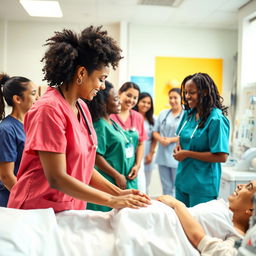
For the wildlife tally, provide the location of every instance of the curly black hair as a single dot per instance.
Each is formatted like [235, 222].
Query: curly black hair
[98, 106]
[92, 49]
[208, 93]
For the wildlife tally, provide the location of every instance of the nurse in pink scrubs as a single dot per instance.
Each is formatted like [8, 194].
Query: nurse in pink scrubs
[56, 169]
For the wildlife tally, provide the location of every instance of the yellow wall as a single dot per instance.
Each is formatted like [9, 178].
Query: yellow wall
[170, 72]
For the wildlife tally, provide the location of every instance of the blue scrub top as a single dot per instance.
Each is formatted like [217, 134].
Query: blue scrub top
[12, 139]
[166, 125]
[147, 144]
[195, 176]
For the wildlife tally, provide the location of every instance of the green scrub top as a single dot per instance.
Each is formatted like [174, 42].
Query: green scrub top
[113, 142]
[195, 176]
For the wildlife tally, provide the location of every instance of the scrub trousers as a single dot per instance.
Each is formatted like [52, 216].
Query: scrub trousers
[191, 200]
[148, 169]
[167, 176]
[141, 179]
[4, 197]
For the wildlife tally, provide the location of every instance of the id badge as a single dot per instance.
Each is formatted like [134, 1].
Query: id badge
[129, 150]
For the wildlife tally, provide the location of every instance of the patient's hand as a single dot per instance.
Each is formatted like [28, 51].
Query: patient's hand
[168, 200]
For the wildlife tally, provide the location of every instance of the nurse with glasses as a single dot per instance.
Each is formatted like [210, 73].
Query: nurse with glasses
[164, 132]
[203, 141]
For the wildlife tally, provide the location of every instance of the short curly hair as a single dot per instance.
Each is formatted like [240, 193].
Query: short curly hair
[92, 49]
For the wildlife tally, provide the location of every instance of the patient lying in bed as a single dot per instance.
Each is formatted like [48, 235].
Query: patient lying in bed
[155, 230]
[218, 225]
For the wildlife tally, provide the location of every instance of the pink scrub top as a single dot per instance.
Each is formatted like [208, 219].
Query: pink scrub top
[134, 121]
[51, 126]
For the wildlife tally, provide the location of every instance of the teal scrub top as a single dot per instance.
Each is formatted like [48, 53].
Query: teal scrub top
[195, 176]
[112, 145]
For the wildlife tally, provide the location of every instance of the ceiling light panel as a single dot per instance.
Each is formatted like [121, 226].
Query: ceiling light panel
[170, 3]
[42, 8]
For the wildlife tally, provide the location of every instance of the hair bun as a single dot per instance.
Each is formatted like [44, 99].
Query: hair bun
[3, 78]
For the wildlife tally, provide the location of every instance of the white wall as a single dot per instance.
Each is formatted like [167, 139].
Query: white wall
[21, 48]
[2, 45]
[147, 42]
[24, 46]
[245, 13]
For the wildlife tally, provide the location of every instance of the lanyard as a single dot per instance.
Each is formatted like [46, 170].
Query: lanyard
[119, 130]
[85, 119]
[182, 127]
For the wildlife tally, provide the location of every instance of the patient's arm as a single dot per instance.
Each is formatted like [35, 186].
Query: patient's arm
[192, 228]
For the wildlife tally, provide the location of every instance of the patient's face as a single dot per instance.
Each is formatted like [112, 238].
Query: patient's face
[241, 199]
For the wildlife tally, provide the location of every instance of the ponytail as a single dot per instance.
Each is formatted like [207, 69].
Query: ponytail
[10, 86]
[3, 79]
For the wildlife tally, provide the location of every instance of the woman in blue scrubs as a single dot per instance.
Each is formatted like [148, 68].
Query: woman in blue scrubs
[19, 93]
[164, 132]
[203, 142]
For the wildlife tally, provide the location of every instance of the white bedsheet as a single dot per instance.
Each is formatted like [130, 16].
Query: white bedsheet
[154, 230]
[216, 219]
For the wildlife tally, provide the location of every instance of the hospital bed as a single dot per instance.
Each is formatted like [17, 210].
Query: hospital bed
[154, 230]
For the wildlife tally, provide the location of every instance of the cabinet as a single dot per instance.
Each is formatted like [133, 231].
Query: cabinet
[230, 178]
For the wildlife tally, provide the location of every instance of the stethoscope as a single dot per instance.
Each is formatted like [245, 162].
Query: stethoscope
[94, 145]
[165, 119]
[119, 130]
[183, 126]
[123, 124]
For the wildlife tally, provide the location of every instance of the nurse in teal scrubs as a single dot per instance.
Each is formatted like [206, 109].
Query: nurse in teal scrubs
[115, 154]
[203, 143]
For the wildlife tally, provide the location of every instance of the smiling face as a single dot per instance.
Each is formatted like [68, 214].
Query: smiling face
[241, 199]
[175, 100]
[191, 94]
[113, 102]
[144, 105]
[129, 98]
[93, 83]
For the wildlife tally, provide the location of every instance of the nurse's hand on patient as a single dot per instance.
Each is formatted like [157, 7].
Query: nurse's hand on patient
[134, 192]
[130, 200]
[133, 173]
[120, 181]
